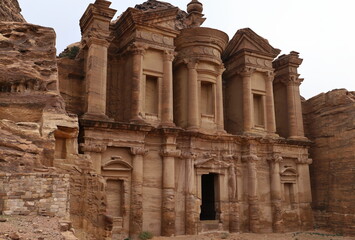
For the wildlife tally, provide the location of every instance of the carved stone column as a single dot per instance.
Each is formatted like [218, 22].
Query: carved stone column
[254, 210]
[219, 99]
[168, 209]
[191, 212]
[167, 93]
[286, 72]
[304, 192]
[95, 31]
[193, 106]
[233, 192]
[95, 151]
[137, 52]
[136, 219]
[276, 193]
[270, 106]
[246, 74]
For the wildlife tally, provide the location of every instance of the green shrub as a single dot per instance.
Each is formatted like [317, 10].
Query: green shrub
[145, 235]
[224, 235]
[70, 52]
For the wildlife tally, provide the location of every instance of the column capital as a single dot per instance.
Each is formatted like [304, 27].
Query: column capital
[220, 69]
[169, 55]
[91, 147]
[188, 155]
[96, 39]
[137, 49]
[246, 71]
[191, 63]
[138, 151]
[304, 160]
[276, 158]
[170, 153]
[230, 157]
[270, 76]
[252, 158]
[292, 80]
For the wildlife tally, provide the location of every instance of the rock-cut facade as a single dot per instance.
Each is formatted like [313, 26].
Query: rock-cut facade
[189, 131]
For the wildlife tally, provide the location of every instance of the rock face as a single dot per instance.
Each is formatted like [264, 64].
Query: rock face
[330, 123]
[10, 11]
[28, 58]
[30, 106]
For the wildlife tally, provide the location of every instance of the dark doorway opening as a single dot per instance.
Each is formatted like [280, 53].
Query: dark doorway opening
[208, 207]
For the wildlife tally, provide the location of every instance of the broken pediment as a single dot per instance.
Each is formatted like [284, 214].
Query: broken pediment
[247, 40]
[117, 164]
[170, 19]
[211, 163]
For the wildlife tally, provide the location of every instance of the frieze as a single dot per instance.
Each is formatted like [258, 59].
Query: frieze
[155, 37]
[200, 50]
[91, 147]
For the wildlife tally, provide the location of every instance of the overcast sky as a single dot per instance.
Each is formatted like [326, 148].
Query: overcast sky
[322, 31]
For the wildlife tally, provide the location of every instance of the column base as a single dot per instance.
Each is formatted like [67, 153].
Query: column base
[273, 135]
[167, 124]
[298, 138]
[193, 129]
[96, 117]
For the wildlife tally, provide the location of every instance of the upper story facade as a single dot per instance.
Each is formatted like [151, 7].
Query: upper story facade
[156, 65]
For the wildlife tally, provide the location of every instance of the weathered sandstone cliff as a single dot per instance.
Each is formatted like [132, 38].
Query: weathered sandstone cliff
[10, 11]
[330, 123]
[31, 108]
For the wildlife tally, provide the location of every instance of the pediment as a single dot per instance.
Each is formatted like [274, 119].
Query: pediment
[290, 171]
[117, 165]
[211, 163]
[247, 40]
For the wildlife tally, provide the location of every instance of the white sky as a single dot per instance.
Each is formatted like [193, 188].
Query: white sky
[322, 31]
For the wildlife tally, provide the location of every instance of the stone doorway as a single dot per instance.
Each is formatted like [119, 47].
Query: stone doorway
[208, 190]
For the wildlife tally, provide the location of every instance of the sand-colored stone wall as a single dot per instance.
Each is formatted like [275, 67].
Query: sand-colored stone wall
[34, 194]
[330, 123]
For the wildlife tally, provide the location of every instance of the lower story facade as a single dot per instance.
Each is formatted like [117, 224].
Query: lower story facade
[168, 181]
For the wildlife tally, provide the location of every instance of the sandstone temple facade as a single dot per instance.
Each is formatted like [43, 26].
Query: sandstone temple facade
[154, 123]
[190, 131]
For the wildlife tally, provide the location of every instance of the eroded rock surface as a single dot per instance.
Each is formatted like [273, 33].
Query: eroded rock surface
[31, 109]
[10, 11]
[330, 123]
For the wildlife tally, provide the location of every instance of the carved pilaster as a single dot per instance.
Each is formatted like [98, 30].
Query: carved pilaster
[254, 211]
[270, 106]
[136, 219]
[137, 51]
[193, 106]
[95, 25]
[168, 209]
[219, 100]
[246, 74]
[191, 208]
[275, 186]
